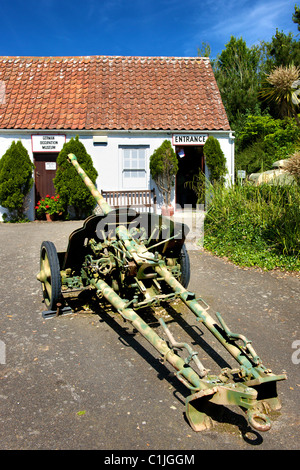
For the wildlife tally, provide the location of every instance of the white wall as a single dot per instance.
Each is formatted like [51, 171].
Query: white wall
[107, 157]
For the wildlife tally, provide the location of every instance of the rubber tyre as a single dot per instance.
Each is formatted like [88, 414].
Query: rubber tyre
[185, 267]
[51, 282]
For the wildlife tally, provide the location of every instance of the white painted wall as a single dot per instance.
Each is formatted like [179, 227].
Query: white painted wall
[107, 157]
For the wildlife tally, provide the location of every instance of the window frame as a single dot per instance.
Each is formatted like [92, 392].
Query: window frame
[134, 182]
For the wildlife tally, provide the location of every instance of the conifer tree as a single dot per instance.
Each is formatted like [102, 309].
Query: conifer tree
[67, 182]
[215, 160]
[15, 180]
[163, 169]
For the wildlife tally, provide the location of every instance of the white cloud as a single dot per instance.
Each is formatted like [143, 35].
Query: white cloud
[254, 21]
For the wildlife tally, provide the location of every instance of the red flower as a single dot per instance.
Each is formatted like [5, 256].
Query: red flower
[52, 197]
[36, 207]
[47, 195]
[47, 207]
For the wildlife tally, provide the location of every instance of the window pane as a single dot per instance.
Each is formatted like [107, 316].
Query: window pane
[126, 153]
[134, 167]
[141, 163]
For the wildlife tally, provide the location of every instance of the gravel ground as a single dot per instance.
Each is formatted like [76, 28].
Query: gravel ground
[88, 381]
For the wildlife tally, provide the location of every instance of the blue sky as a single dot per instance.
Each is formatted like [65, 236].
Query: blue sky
[137, 27]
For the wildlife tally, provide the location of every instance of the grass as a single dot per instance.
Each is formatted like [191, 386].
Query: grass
[255, 225]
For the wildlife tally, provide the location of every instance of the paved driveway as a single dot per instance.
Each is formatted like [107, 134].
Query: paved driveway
[87, 381]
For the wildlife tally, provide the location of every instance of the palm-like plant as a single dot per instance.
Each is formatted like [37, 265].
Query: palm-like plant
[282, 87]
[292, 165]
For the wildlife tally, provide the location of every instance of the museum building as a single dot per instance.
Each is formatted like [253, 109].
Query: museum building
[121, 108]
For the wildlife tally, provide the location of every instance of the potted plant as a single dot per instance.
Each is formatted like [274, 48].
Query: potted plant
[50, 206]
[163, 169]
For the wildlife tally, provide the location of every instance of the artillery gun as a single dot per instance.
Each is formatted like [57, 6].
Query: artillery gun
[135, 260]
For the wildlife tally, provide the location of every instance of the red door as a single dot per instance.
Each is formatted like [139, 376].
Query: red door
[45, 171]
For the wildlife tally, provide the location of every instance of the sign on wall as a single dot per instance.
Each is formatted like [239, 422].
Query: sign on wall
[50, 166]
[47, 142]
[189, 139]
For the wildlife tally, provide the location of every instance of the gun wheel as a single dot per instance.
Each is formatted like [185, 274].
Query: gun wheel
[49, 275]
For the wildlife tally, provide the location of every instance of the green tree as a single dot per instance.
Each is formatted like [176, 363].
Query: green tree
[215, 160]
[283, 50]
[205, 50]
[296, 16]
[236, 70]
[67, 182]
[163, 168]
[15, 179]
[264, 140]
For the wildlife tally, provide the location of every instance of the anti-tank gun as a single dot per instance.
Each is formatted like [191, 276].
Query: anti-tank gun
[135, 260]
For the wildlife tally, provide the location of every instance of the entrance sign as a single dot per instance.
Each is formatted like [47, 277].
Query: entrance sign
[189, 139]
[47, 142]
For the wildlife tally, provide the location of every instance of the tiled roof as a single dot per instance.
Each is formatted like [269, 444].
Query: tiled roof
[103, 92]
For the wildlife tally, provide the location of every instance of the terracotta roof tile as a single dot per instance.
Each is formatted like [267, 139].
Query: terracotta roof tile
[102, 92]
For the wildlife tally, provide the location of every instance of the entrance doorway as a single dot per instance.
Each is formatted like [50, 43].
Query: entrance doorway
[45, 171]
[190, 162]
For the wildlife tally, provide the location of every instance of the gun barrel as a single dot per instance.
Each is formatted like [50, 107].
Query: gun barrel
[106, 208]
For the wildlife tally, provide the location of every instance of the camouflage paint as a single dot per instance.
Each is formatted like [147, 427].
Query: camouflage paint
[210, 387]
[88, 182]
[205, 388]
[158, 343]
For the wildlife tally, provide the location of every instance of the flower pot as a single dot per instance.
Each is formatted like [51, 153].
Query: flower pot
[167, 210]
[49, 217]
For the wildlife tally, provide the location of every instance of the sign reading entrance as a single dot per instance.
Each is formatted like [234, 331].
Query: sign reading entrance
[189, 139]
[47, 142]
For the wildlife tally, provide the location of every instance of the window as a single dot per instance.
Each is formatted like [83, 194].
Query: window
[134, 174]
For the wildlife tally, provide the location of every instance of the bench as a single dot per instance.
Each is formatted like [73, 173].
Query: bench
[137, 199]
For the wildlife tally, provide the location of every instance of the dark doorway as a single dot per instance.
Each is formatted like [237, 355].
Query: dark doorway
[190, 162]
[45, 171]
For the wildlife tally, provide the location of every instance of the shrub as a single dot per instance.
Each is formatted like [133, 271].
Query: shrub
[69, 185]
[265, 140]
[257, 127]
[255, 226]
[215, 160]
[163, 168]
[198, 184]
[254, 158]
[15, 180]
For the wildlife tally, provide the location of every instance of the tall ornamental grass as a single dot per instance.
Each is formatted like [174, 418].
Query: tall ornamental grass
[255, 225]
